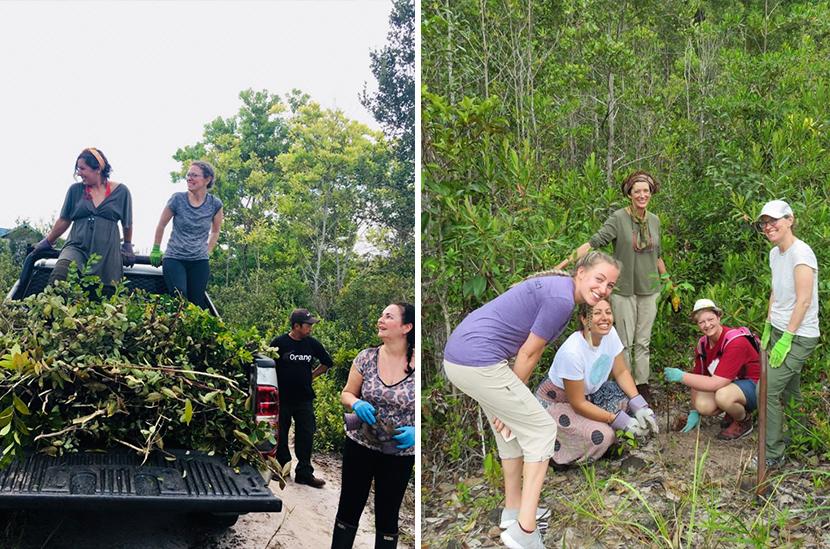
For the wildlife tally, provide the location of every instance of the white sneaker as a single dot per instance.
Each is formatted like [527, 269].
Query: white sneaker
[509, 516]
[516, 538]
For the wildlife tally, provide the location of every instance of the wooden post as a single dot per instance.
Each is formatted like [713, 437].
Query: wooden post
[760, 488]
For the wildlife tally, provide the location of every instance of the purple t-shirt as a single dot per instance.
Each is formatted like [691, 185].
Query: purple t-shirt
[496, 330]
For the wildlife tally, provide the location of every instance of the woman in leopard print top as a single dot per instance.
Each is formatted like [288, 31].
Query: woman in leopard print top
[381, 392]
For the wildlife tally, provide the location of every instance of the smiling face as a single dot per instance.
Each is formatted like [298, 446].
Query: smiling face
[196, 180]
[776, 229]
[390, 323]
[595, 283]
[640, 195]
[709, 323]
[601, 319]
[87, 174]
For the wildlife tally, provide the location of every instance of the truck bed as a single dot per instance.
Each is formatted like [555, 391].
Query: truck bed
[194, 482]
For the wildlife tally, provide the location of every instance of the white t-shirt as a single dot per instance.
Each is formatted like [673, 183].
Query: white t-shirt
[783, 266]
[576, 360]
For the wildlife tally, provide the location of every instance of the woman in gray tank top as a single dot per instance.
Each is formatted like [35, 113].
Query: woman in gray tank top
[197, 219]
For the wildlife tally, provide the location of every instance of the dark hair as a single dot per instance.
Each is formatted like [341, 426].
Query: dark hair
[587, 311]
[640, 177]
[90, 159]
[207, 171]
[408, 317]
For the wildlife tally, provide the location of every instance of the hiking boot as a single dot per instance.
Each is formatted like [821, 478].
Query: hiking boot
[509, 516]
[312, 481]
[738, 429]
[726, 421]
[516, 538]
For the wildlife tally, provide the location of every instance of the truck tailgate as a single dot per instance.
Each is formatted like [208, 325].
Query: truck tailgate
[194, 482]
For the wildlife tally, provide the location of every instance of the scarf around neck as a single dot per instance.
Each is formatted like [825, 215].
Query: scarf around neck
[642, 241]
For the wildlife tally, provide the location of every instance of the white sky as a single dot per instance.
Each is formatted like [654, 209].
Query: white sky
[140, 79]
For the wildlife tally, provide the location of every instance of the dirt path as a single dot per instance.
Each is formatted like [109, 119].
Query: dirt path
[305, 523]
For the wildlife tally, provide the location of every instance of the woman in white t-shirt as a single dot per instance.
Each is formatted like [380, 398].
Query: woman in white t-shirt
[791, 329]
[587, 406]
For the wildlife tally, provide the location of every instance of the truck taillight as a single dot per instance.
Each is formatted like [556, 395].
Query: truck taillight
[267, 403]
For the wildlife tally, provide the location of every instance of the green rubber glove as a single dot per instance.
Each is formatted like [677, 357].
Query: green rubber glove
[780, 350]
[691, 422]
[155, 256]
[673, 374]
[766, 334]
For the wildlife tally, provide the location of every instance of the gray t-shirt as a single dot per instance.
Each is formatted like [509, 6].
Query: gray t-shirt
[496, 330]
[191, 227]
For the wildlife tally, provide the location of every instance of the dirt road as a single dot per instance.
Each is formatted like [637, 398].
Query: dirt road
[305, 523]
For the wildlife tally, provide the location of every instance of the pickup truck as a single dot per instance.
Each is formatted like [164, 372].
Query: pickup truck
[194, 483]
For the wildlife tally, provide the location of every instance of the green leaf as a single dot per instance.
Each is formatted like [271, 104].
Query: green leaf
[188, 412]
[20, 405]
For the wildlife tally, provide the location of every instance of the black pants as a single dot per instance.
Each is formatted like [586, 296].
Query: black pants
[188, 278]
[304, 426]
[391, 475]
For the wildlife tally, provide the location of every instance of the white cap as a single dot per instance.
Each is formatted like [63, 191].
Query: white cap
[775, 209]
[702, 304]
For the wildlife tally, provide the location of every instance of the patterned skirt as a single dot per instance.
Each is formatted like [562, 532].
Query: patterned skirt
[579, 439]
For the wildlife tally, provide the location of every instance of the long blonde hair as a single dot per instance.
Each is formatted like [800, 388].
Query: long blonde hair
[588, 260]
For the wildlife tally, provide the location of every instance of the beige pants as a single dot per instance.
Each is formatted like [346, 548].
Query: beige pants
[634, 317]
[501, 394]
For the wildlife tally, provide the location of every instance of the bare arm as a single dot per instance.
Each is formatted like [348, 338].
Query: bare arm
[623, 377]
[528, 356]
[215, 228]
[803, 296]
[351, 392]
[579, 252]
[320, 370]
[661, 267]
[58, 229]
[128, 234]
[769, 305]
[709, 384]
[166, 216]
[575, 391]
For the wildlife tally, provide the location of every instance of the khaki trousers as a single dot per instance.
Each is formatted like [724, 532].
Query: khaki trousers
[634, 317]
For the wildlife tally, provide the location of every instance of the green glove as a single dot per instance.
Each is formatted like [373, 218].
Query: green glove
[673, 374]
[155, 256]
[766, 334]
[691, 422]
[780, 350]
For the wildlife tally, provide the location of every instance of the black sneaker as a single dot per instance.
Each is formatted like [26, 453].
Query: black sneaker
[312, 481]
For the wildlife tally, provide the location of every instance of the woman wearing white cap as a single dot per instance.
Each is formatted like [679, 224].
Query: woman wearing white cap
[726, 373]
[791, 331]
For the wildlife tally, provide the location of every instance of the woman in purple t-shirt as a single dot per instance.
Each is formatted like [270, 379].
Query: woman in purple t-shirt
[519, 323]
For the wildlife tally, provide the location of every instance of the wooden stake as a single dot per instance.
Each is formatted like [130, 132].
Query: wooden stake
[760, 488]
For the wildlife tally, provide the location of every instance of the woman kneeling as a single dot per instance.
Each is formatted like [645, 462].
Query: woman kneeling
[586, 405]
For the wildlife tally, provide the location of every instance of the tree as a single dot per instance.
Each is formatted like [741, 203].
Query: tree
[393, 106]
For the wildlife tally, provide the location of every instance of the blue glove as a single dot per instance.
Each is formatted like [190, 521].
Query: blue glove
[365, 411]
[42, 245]
[406, 437]
[691, 422]
[673, 374]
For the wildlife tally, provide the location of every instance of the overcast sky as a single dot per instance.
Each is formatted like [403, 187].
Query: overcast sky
[140, 79]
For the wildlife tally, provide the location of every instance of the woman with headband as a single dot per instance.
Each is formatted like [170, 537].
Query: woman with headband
[197, 219]
[93, 208]
[635, 234]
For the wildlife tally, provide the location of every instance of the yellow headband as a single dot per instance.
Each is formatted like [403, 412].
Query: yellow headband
[94, 152]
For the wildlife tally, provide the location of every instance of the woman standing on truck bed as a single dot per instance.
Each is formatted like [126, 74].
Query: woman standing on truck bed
[197, 219]
[93, 207]
[381, 393]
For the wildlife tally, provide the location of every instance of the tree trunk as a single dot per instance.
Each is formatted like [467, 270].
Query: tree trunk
[612, 114]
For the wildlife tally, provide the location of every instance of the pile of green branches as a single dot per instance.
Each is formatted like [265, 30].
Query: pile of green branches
[80, 371]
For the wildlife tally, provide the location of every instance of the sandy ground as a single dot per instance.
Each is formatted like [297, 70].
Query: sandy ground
[305, 523]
